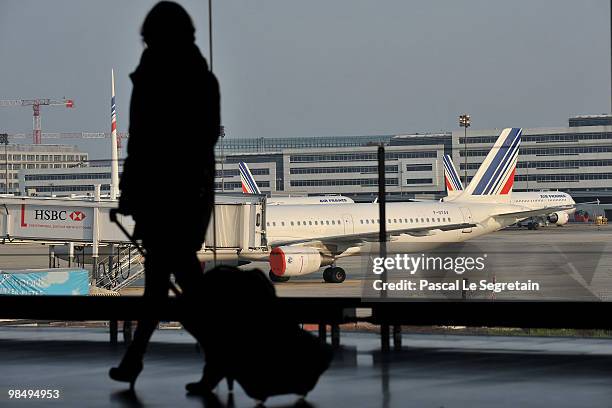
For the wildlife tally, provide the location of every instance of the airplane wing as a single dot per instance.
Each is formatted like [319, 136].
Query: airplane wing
[359, 238]
[533, 213]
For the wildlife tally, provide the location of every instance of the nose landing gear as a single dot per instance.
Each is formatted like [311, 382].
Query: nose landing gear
[276, 278]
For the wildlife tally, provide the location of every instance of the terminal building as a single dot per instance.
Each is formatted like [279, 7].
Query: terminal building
[79, 181]
[18, 158]
[337, 165]
[576, 159]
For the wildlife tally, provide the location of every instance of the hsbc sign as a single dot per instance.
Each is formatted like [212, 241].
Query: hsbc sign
[66, 222]
[58, 215]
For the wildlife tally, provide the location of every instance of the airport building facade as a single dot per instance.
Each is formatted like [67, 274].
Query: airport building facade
[340, 165]
[19, 158]
[576, 159]
[80, 181]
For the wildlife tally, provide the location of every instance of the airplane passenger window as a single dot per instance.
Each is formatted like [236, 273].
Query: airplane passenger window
[283, 223]
[298, 223]
[422, 220]
[309, 222]
[427, 219]
[361, 221]
[316, 222]
[333, 222]
[327, 222]
[292, 223]
[339, 222]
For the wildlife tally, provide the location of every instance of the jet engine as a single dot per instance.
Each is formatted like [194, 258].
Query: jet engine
[295, 260]
[558, 218]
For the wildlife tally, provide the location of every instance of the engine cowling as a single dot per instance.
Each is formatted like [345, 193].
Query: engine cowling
[558, 218]
[294, 260]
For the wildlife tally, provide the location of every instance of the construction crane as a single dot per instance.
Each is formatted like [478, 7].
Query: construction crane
[36, 104]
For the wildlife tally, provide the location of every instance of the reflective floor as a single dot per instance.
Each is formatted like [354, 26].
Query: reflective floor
[430, 371]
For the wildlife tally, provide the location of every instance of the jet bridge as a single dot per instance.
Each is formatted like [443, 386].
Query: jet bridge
[238, 226]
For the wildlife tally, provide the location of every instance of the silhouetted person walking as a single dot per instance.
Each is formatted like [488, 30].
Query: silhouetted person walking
[168, 177]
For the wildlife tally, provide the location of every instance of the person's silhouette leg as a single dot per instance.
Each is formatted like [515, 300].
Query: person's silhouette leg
[156, 288]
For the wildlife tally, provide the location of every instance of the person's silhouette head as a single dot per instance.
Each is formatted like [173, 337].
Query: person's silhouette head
[167, 24]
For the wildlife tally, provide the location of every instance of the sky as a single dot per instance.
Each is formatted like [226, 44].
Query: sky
[291, 68]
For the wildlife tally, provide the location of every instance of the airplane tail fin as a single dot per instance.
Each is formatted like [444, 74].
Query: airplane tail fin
[249, 186]
[454, 186]
[495, 177]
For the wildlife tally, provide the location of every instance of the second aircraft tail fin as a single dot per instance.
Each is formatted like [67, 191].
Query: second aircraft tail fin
[495, 176]
[249, 186]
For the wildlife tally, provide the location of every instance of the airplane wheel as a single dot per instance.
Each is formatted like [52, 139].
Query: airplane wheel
[334, 275]
[276, 278]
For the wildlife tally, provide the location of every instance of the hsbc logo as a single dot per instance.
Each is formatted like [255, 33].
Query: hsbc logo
[77, 216]
[58, 215]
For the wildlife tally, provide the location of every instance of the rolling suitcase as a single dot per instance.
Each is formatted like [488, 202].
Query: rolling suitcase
[249, 340]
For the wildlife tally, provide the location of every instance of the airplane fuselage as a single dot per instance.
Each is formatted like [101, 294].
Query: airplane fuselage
[309, 223]
[541, 199]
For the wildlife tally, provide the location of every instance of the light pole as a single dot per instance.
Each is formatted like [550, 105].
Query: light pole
[210, 35]
[464, 122]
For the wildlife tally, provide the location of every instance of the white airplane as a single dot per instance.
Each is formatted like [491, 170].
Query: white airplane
[537, 200]
[305, 238]
[249, 186]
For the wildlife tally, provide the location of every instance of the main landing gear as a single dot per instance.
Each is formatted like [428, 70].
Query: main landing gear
[276, 278]
[334, 274]
[533, 226]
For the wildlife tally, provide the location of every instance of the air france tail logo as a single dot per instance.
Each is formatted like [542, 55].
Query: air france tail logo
[499, 166]
[249, 186]
[451, 178]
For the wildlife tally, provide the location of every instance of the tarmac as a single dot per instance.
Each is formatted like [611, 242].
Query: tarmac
[570, 263]
[429, 371]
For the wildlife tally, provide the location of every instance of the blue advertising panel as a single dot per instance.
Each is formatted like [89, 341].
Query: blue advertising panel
[59, 281]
